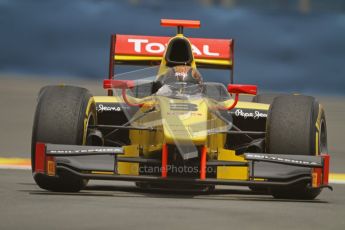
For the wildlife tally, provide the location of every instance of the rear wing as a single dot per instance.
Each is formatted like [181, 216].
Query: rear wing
[149, 50]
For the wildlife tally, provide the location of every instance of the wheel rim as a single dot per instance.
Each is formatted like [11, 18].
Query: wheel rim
[323, 138]
[90, 121]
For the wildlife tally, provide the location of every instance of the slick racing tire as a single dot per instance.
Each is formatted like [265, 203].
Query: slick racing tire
[296, 124]
[266, 98]
[62, 116]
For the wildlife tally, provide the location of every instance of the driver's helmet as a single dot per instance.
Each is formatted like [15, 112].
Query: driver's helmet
[181, 73]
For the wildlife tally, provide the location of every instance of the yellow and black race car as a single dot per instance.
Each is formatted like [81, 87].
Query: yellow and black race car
[166, 127]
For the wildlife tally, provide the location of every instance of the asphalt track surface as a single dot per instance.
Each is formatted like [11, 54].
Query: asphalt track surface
[122, 206]
[119, 205]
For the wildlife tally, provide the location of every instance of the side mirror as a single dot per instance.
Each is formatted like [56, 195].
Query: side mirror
[242, 89]
[121, 84]
[118, 84]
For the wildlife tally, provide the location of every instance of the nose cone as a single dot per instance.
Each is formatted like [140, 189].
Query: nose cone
[184, 121]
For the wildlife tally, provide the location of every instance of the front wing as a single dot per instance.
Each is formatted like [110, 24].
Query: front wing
[101, 163]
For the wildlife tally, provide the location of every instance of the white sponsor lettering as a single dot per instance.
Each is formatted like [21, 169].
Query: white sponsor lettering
[102, 108]
[137, 44]
[208, 52]
[196, 50]
[253, 114]
[102, 150]
[279, 159]
[156, 47]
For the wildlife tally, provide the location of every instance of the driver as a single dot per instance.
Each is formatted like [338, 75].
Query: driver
[181, 73]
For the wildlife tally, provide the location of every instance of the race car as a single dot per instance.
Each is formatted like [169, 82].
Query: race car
[166, 127]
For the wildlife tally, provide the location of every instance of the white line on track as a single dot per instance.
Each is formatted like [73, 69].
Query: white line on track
[337, 181]
[20, 167]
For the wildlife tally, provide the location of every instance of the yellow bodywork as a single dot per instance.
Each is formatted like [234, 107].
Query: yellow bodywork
[180, 127]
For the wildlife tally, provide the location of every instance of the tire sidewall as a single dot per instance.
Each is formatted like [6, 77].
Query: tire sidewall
[85, 110]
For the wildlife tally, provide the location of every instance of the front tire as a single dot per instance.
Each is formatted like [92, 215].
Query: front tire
[266, 98]
[296, 125]
[62, 116]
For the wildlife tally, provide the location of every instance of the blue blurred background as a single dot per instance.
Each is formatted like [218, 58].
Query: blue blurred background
[281, 45]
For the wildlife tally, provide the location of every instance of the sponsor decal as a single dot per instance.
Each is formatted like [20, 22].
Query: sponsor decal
[159, 48]
[184, 113]
[156, 46]
[108, 108]
[280, 159]
[183, 106]
[76, 151]
[255, 114]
